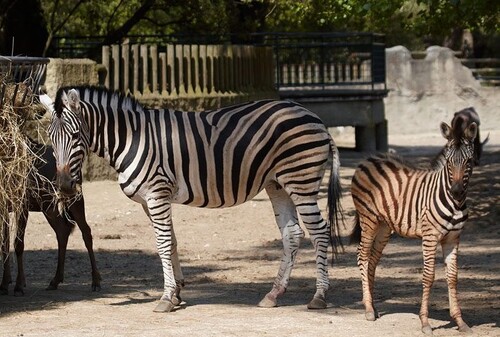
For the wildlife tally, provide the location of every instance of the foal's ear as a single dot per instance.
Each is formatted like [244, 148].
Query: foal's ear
[446, 131]
[471, 131]
[74, 100]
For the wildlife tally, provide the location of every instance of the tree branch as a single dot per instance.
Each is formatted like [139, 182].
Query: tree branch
[120, 32]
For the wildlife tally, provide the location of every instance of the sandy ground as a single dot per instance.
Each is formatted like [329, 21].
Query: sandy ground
[230, 258]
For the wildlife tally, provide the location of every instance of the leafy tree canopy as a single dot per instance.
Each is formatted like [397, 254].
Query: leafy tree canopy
[413, 23]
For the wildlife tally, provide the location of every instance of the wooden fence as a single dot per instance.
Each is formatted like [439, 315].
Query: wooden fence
[173, 71]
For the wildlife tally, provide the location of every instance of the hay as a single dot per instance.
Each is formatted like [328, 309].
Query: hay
[16, 158]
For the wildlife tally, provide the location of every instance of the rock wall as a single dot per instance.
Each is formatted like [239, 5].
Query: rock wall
[426, 92]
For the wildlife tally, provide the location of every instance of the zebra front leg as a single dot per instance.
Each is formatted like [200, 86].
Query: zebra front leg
[160, 213]
[5, 256]
[291, 233]
[179, 277]
[19, 248]
[429, 245]
[176, 266]
[450, 253]
[77, 213]
[62, 230]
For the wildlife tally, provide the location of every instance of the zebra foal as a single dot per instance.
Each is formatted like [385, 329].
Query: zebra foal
[40, 197]
[391, 195]
[213, 159]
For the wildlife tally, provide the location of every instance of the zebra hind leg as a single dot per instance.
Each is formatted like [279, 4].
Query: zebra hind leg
[319, 233]
[379, 243]
[368, 233]
[291, 233]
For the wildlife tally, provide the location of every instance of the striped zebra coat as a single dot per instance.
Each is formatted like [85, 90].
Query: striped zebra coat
[391, 195]
[218, 158]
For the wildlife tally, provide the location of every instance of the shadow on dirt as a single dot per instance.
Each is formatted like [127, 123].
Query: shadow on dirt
[135, 277]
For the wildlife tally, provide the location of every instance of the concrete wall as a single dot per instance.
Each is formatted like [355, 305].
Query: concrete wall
[425, 92]
[65, 72]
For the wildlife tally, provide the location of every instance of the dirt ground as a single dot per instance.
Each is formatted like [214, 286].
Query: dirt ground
[230, 258]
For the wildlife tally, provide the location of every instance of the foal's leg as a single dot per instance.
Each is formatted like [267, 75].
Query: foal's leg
[429, 245]
[369, 230]
[379, 243]
[77, 212]
[291, 233]
[19, 248]
[4, 254]
[62, 230]
[450, 252]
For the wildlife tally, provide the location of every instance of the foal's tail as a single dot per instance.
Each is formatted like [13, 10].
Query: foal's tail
[335, 212]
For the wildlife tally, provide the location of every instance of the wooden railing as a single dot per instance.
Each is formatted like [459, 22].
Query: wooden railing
[177, 70]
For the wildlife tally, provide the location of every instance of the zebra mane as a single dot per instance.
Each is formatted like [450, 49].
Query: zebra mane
[99, 90]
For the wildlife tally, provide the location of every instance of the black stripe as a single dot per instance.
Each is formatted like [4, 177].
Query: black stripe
[185, 153]
[202, 169]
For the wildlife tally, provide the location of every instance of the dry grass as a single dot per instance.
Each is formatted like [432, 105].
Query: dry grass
[16, 158]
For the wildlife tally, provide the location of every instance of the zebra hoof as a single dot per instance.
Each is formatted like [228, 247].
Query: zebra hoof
[176, 300]
[18, 292]
[464, 328]
[51, 287]
[164, 306]
[370, 316]
[268, 302]
[427, 330]
[317, 303]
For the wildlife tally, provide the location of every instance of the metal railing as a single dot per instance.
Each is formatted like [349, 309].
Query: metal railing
[328, 60]
[485, 70]
[302, 60]
[24, 74]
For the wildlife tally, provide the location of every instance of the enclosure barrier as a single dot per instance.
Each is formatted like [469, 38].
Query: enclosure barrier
[25, 73]
[310, 61]
[177, 70]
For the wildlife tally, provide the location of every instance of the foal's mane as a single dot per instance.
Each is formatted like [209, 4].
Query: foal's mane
[96, 90]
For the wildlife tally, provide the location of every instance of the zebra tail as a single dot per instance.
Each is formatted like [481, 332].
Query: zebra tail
[355, 237]
[335, 212]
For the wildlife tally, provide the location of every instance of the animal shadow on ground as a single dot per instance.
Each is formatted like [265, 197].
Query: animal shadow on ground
[135, 276]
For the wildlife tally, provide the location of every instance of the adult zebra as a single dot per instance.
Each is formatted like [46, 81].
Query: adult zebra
[214, 159]
[391, 195]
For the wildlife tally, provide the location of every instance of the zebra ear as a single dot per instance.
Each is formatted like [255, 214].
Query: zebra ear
[446, 131]
[47, 102]
[74, 100]
[471, 131]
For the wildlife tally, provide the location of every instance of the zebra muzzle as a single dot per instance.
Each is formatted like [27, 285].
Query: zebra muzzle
[457, 191]
[65, 183]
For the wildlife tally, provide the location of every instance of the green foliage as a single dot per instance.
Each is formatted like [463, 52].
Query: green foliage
[99, 18]
[408, 22]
